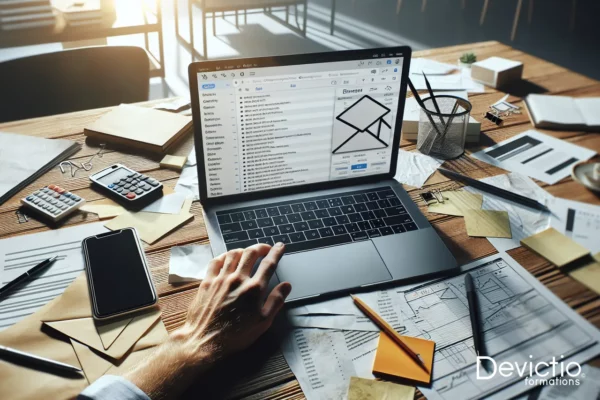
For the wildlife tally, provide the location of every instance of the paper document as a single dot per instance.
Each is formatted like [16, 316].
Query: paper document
[415, 168]
[168, 204]
[579, 221]
[522, 322]
[24, 158]
[430, 67]
[537, 155]
[343, 322]
[324, 360]
[188, 180]
[458, 81]
[589, 387]
[21, 253]
[524, 221]
[189, 263]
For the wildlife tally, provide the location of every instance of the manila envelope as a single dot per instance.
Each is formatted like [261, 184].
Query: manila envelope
[32, 335]
[72, 316]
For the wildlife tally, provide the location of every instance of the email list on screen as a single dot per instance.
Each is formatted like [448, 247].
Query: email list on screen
[272, 127]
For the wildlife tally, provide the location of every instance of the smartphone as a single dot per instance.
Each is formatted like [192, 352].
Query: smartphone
[118, 277]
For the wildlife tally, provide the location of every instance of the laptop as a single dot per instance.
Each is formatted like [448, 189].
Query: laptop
[302, 149]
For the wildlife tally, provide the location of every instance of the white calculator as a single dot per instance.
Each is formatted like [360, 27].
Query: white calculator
[53, 202]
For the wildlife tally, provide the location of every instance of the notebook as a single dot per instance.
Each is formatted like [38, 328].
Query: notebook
[392, 361]
[563, 112]
[139, 127]
[25, 158]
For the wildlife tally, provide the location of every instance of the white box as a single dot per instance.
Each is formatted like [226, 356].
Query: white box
[496, 72]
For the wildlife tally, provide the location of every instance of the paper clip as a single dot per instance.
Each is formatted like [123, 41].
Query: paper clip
[433, 195]
[21, 218]
[74, 168]
[88, 165]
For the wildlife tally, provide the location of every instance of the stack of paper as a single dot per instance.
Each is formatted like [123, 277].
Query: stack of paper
[563, 112]
[88, 12]
[25, 14]
[139, 127]
[25, 158]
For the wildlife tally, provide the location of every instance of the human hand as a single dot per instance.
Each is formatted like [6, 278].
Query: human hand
[227, 315]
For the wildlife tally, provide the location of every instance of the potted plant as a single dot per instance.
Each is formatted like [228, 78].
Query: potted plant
[466, 60]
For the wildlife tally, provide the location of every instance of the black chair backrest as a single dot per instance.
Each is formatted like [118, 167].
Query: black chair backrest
[73, 80]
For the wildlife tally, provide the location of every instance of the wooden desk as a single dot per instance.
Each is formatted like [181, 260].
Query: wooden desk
[262, 373]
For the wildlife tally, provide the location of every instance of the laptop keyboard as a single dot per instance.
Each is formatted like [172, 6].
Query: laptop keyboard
[312, 223]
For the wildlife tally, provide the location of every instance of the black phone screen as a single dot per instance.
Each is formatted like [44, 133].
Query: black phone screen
[118, 273]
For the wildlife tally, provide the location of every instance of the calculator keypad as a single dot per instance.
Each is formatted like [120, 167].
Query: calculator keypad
[53, 201]
[134, 185]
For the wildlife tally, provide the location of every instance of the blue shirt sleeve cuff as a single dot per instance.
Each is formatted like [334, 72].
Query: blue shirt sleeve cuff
[111, 387]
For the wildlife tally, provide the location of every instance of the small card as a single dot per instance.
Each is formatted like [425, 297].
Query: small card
[589, 274]
[555, 247]
[456, 202]
[369, 389]
[487, 223]
[173, 162]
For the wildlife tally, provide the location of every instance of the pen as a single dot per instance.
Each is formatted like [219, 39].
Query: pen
[505, 194]
[22, 278]
[422, 105]
[474, 315]
[387, 328]
[435, 104]
[37, 359]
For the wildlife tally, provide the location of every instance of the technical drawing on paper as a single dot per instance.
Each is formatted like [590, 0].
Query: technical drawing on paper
[518, 322]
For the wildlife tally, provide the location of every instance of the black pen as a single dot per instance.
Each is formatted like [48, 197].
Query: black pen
[435, 104]
[46, 362]
[22, 278]
[476, 326]
[505, 194]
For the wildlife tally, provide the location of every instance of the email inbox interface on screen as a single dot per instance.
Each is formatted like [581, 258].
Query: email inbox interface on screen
[297, 124]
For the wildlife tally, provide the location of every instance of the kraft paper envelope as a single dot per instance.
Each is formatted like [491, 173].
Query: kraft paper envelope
[71, 316]
[95, 365]
[152, 226]
[369, 389]
[30, 335]
[555, 247]
[487, 223]
[21, 382]
[456, 202]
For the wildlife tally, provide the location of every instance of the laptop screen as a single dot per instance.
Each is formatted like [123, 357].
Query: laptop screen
[272, 127]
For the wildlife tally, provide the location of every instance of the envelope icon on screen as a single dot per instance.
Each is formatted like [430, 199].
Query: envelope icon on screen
[364, 126]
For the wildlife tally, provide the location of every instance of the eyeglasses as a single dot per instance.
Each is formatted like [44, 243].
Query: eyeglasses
[87, 166]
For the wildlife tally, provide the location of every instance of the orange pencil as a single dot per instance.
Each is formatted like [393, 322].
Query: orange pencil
[387, 328]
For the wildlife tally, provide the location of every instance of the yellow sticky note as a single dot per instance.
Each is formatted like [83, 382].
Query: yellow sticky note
[589, 274]
[369, 389]
[152, 226]
[173, 162]
[456, 202]
[555, 247]
[487, 223]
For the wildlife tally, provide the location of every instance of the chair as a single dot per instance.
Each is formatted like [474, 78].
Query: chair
[222, 6]
[73, 80]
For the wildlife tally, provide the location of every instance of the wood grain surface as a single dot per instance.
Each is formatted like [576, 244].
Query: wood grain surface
[261, 372]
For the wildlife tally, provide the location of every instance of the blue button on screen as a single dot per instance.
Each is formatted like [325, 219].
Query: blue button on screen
[359, 166]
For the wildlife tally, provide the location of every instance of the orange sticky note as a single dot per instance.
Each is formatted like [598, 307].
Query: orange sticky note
[394, 362]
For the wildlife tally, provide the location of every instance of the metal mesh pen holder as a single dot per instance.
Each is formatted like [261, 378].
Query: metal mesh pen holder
[442, 134]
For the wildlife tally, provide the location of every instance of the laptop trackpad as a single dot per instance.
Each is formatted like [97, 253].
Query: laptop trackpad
[331, 269]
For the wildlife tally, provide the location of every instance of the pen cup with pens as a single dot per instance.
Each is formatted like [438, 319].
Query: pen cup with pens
[443, 126]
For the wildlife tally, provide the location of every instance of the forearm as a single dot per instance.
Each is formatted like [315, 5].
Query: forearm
[167, 372]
